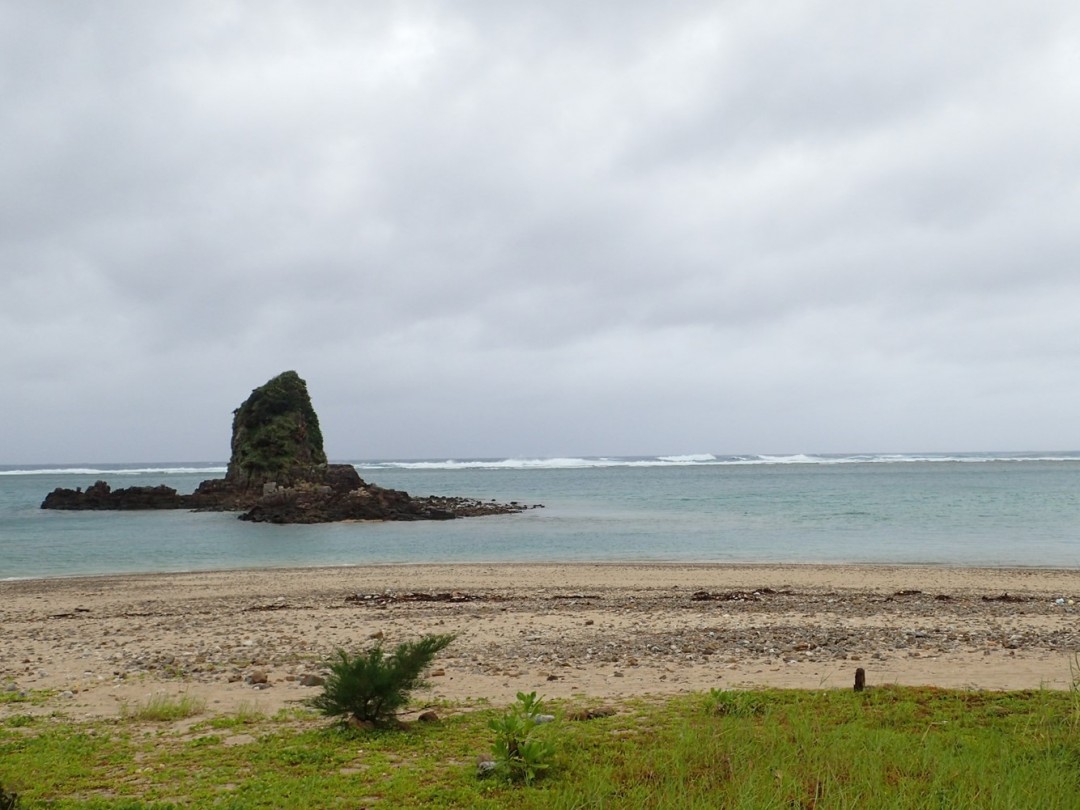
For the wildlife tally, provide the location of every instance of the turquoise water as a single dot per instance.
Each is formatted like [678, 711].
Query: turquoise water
[977, 509]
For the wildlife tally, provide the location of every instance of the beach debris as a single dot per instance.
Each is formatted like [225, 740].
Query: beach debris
[1006, 597]
[485, 765]
[70, 614]
[736, 596]
[574, 596]
[908, 592]
[416, 596]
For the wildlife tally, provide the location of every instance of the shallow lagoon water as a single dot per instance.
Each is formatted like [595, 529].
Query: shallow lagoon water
[973, 510]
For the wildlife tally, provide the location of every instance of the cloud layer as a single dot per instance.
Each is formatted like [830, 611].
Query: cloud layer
[484, 230]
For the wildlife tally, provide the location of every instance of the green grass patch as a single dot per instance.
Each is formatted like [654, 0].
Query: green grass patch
[33, 697]
[164, 708]
[246, 714]
[884, 748]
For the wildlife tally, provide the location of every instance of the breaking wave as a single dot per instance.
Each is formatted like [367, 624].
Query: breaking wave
[118, 470]
[575, 462]
[709, 460]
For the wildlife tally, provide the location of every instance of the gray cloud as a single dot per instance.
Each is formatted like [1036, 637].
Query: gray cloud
[478, 229]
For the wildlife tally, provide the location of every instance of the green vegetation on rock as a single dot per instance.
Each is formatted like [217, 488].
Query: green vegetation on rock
[276, 435]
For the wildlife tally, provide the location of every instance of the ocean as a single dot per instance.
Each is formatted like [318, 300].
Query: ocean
[974, 509]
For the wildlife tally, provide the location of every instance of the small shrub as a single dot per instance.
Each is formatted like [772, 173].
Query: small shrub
[519, 753]
[371, 687]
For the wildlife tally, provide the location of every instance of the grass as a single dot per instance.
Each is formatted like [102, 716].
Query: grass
[246, 714]
[33, 697]
[161, 708]
[884, 748]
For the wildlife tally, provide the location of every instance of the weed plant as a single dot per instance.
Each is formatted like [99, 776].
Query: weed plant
[521, 752]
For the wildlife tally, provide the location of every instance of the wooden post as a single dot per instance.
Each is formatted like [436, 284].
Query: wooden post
[860, 679]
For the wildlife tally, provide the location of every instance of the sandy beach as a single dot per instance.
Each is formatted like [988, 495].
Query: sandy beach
[604, 631]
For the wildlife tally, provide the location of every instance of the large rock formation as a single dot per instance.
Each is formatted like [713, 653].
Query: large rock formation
[278, 473]
[276, 436]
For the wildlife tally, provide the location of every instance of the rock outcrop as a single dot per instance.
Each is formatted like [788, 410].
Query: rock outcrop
[278, 473]
[101, 496]
[276, 436]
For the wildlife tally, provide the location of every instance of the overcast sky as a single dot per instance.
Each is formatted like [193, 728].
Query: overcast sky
[541, 229]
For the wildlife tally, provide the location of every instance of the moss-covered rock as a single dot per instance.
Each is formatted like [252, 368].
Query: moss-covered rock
[276, 436]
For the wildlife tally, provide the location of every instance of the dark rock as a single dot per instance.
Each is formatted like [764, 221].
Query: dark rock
[101, 496]
[312, 680]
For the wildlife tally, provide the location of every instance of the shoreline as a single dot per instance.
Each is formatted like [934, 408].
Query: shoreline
[510, 564]
[603, 631]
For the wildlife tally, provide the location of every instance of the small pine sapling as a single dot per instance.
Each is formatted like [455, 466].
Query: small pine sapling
[371, 686]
